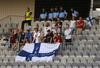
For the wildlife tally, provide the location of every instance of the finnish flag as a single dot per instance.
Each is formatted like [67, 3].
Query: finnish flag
[89, 19]
[37, 52]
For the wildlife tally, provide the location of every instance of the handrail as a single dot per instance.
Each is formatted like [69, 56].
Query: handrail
[12, 16]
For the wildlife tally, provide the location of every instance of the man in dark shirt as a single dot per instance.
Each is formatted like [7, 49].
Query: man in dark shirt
[59, 23]
[22, 36]
[17, 31]
[48, 38]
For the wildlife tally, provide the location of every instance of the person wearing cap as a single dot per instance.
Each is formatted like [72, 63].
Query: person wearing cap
[48, 38]
[43, 15]
[62, 13]
[55, 14]
[50, 15]
[74, 13]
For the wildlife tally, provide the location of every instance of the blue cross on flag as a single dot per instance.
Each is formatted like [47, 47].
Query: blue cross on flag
[89, 19]
[37, 52]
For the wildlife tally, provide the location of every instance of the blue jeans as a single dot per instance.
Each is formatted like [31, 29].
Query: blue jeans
[73, 29]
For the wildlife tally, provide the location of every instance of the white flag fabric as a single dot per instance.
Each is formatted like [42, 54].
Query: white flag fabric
[37, 52]
[89, 19]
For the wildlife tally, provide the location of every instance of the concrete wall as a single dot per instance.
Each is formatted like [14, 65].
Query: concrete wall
[15, 7]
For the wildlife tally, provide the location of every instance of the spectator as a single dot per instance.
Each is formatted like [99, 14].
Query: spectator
[28, 36]
[48, 38]
[62, 14]
[50, 15]
[37, 26]
[56, 30]
[67, 33]
[22, 36]
[36, 36]
[55, 14]
[17, 31]
[43, 15]
[13, 41]
[53, 26]
[74, 13]
[46, 28]
[28, 17]
[18, 41]
[57, 39]
[59, 23]
[8, 35]
[79, 26]
[73, 25]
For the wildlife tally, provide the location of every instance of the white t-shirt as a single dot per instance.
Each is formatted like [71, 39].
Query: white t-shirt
[73, 24]
[46, 29]
[36, 35]
[53, 25]
[67, 33]
[55, 31]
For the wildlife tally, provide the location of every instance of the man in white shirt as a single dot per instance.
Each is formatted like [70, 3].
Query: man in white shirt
[46, 28]
[53, 26]
[67, 33]
[36, 36]
[56, 30]
[37, 26]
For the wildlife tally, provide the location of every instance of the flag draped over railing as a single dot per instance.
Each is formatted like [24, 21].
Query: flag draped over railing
[37, 52]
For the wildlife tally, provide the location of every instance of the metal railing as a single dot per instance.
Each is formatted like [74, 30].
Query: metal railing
[9, 18]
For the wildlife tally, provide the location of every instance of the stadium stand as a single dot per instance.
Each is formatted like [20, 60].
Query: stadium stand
[83, 53]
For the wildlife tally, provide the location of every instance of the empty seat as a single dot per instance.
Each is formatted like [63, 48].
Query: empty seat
[54, 65]
[5, 59]
[68, 65]
[56, 59]
[88, 65]
[34, 65]
[74, 65]
[76, 60]
[83, 60]
[60, 65]
[47, 65]
[69, 60]
[41, 65]
[95, 65]
[81, 65]
[63, 60]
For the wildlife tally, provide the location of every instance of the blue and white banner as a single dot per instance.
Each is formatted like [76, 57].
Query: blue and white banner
[37, 52]
[89, 19]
